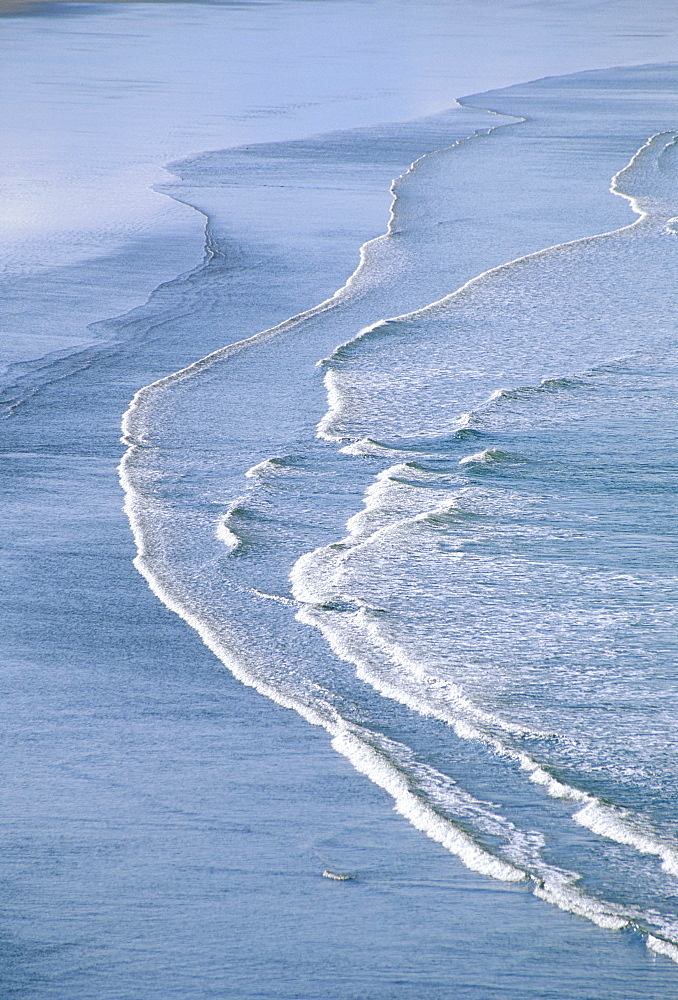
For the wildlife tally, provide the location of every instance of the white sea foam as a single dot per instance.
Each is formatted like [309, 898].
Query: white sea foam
[278, 598]
[349, 401]
[647, 182]
[556, 789]
[336, 876]
[553, 885]
[661, 947]
[570, 899]
[625, 828]
[268, 467]
[350, 639]
[355, 638]
[225, 535]
[479, 457]
[313, 576]
[391, 498]
[233, 655]
[420, 814]
[364, 757]
[337, 407]
[367, 447]
[484, 457]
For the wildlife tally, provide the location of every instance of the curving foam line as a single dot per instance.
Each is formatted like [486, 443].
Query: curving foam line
[662, 947]
[655, 207]
[364, 758]
[267, 467]
[225, 535]
[608, 821]
[567, 898]
[373, 765]
[485, 457]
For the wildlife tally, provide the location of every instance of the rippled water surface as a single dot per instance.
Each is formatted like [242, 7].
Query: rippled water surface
[417, 488]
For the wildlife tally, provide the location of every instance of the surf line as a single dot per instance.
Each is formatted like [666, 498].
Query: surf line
[132, 431]
[238, 659]
[593, 813]
[329, 426]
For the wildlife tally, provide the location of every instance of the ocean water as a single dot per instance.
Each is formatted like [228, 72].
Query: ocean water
[478, 525]
[415, 489]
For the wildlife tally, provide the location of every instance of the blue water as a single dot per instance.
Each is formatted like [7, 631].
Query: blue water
[423, 505]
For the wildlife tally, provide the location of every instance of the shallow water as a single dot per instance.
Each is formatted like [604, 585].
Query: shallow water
[447, 545]
[501, 579]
